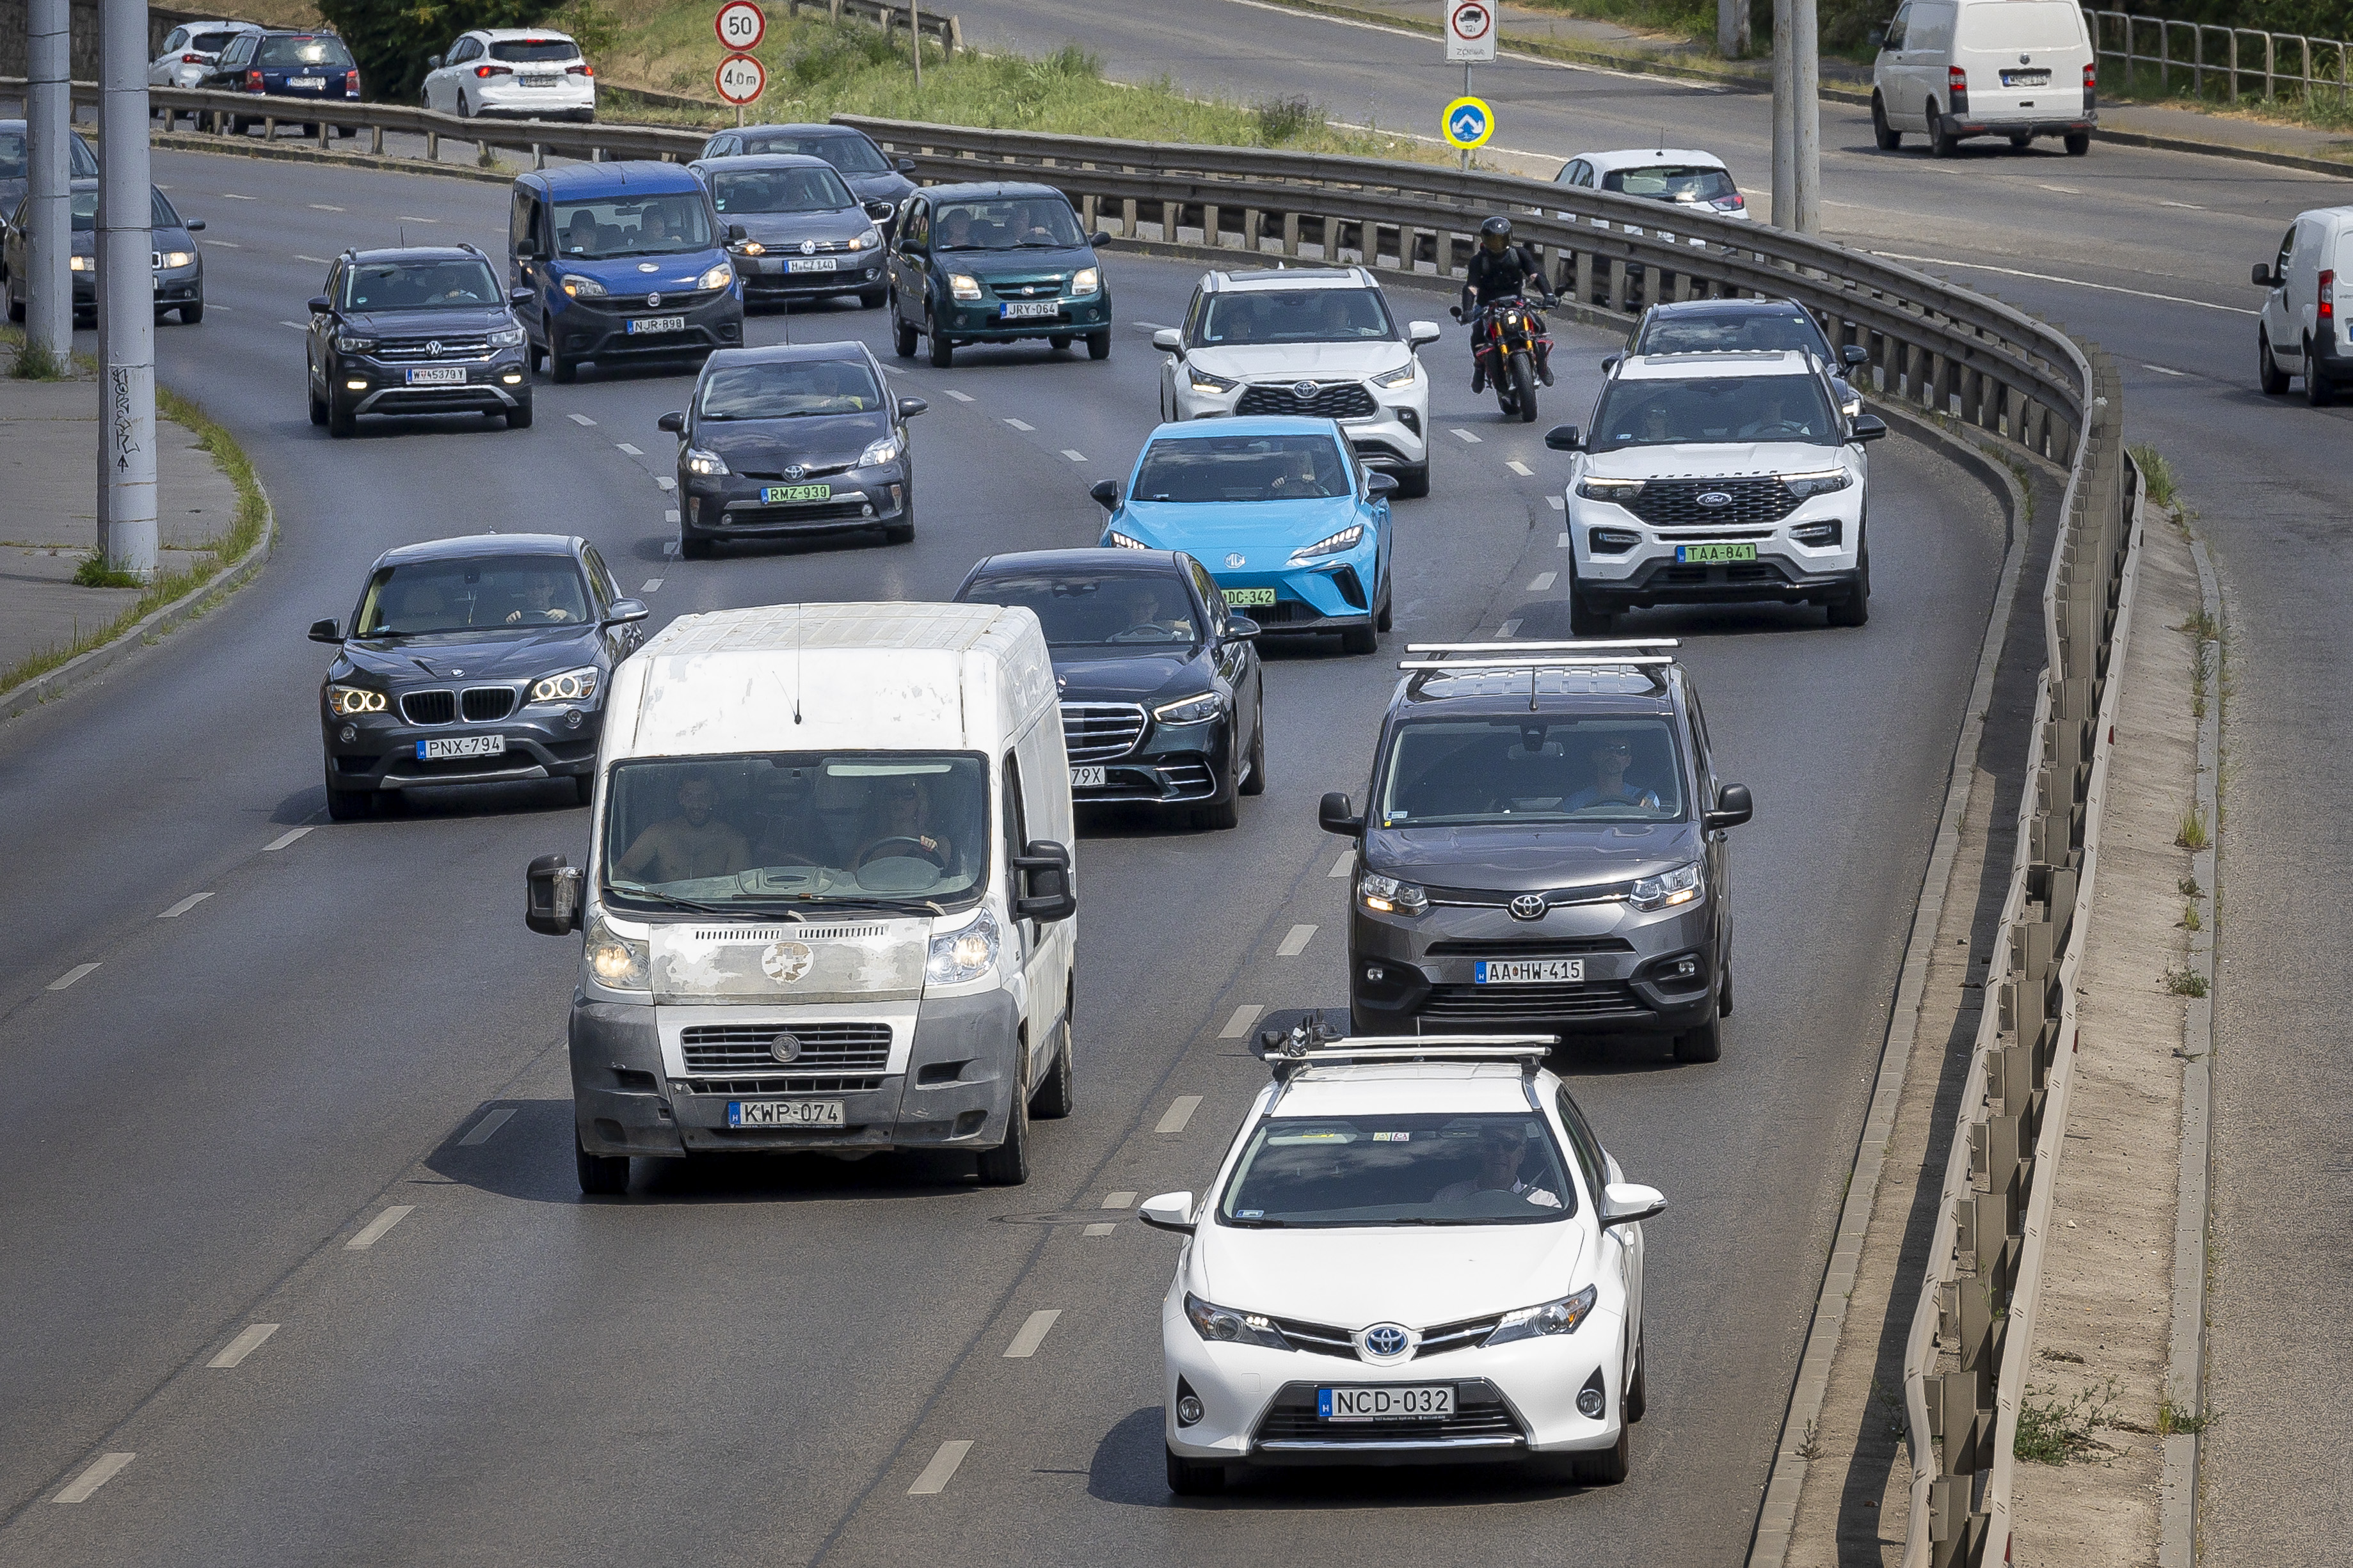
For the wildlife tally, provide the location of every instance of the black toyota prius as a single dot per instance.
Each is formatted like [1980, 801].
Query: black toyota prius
[476, 661]
[1163, 697]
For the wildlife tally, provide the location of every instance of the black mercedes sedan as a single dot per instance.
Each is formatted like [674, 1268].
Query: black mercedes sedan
[793, 439]
[804, 237]
[1162, 697]
[878, 180]
[475, 660]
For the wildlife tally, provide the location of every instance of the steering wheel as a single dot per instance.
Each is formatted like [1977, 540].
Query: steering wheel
[899, 849]
[1145, 631]
[1779, 428]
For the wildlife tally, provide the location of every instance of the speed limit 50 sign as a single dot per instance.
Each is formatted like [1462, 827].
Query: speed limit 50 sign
[741, 26]
[1470, 29]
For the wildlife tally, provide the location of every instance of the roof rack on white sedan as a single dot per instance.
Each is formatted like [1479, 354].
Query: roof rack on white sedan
[1312, 1042]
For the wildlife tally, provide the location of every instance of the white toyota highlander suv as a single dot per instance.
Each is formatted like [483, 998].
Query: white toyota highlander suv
[1713, 478]
[1319, 341]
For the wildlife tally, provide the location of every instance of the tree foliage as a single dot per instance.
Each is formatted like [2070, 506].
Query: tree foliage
[392, 38]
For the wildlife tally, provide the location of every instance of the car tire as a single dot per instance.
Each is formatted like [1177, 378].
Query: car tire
[1888, 138]
[692, 547]
[1413, 483]
[519, 417]
[1057, 1096]
[871, 300]
[1638, 1394]
[2318, 390]
[318, 409]
[902, 532]
[1007, 1165]
[345, 804]
[942, 351]
[1191, 1478]
[192, 314]
[1854, 609]
[2077, 143]
[563, 372]
[902, 335]
[2268, 375]
[340, 421]
[1704, 1043]
[2020, 143]
[1099, 344]
[601, 1175]
[1605, 1467]
[16, 307]
[1587, 620]
[1360, 639]
[1220, 816]
[1941, 143]
[464, 111]
[535, 354]
[1724, 995]
[1059, 342]
[1256, 783]
[1386, 615]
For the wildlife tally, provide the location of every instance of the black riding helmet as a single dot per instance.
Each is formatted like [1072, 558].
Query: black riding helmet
[1496, 232]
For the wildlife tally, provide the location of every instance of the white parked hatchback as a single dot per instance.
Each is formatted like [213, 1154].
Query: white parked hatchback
[2301, 332]
[1682, 175]
[190, 50]
[523, 73]
[1414, 1252]
[1956, 69]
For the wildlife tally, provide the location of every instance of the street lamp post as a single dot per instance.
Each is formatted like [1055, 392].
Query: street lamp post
[48, 213]
[1797, 117]
[126, 297]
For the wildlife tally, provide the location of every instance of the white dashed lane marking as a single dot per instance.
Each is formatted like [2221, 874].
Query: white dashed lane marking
[653, 585]
[283, 839]
[1118, 1200]
[223, 245]
[580, 419]
[1100, 1230]
[959, 397]
[372, 1232]
[184, 906]
[249, 1340]
[666, 482]
[1508, 629]
[234, 196]
[1033, 1334]
[1341, 866]
[1562, 543]
[1540, 582]
[1074, 456]
[1296, 942]
[1180, 1112]
[315, 260]
[1520, 469]
[1021, 424]
[70, 975]
[1467, 436]
[669, 547]
[103, 1469]
[1238, 1024]
[484, 1128]
[323, 207]
[412, 217]
[936, 1475]
[1557, 504]
[298, 326]
[625, 447]
[2161, 370]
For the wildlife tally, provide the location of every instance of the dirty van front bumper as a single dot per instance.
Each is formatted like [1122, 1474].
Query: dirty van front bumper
[956, 1092]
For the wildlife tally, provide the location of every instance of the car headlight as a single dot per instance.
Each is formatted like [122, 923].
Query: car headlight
[507, 338]
[1401, 377]
[619, 963]
[1197, 710]
[1222, 1325]
[1203, 381]
[345, 701]
[178, 257]
[886, 451]
[1668, 889]
[1619, 491]
[1559, 1317]
[571, 686]
[83, 263]
[1818, 483]
[1387, 895]
[962, 955]
[964, 286]
[699, 461]
[1331, 544]
[1119, 541]
[750, 247]
[1086, 280]
[718, 276]
[354, 345]
[581, 288]
[865, 241]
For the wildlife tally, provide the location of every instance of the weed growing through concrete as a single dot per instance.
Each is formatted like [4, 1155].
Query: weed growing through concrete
[2189, 888]
[2053, 1431]
[2192, 835]
[2156, 474]
[2171, 1419]
[36, 362]
[2185, 983]
[95, 573]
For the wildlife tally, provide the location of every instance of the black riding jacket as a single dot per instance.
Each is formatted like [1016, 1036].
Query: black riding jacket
[1499, 275]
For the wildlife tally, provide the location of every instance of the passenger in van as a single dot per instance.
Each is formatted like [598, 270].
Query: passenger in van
[693, 845]
[1610, 756]
[900, 822]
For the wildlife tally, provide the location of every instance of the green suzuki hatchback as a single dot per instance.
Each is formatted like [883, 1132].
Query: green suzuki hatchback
[995, 263]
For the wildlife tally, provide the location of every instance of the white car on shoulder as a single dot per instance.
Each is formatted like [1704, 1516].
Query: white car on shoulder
[1685, 176]
[1317, 342]
[1416, 1252]
[190, 50]
[514, 73]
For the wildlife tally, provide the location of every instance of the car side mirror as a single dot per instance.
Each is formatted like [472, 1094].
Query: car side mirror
[737, 234]
[433, 62]
[910, 407]
[321, 305]
[1853, 354]
[325, 631]
[1564, 438]
[1168, 1211]
[521, 295]
[525, 252]
[1868, 427]
[904, 165]
[1170, 339]
[1629, 1203]
[194, 225]
[1878, 37]
[1334, 814]
[1242, 629]
[675, 423]
[1455, 311]
[2263, 276]
[1043, 874]
[551, 896]
[1106, 493]
[1379, 485]
[1733, 808]
[1100, 236]
[1420, 333]
[626, 610]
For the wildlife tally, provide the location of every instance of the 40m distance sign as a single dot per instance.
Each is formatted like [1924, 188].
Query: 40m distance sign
[740, 79]
[1469, 122]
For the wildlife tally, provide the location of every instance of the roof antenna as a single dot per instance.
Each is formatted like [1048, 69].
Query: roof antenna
[797, 660]
[404, 237]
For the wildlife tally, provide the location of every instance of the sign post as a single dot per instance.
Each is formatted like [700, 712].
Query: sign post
[741, 24]
[1471, 38]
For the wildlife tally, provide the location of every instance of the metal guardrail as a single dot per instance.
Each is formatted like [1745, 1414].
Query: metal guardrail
[2229, 63]
[891, 15]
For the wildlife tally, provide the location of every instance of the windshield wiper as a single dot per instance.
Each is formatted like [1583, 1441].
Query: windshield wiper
[900, 906]
[1259, 1224]
[671, 901]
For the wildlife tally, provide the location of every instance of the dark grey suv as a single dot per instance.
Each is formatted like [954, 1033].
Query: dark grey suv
[422, 330]
[1543, 848]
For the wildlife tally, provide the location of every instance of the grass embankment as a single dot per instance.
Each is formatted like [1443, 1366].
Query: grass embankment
[2327, 109]
[185, 569]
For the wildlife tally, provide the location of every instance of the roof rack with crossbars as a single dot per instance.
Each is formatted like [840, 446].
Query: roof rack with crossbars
[1581, 646]
[1541, 662]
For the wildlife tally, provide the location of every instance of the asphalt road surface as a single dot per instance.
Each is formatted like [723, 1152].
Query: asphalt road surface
[755, 1361]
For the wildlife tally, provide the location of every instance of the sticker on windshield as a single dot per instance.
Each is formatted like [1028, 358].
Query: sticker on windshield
[1392, 1137]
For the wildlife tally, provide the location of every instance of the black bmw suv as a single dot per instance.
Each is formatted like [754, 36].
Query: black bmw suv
[1162, 697]
[477, 660]
[421, 329]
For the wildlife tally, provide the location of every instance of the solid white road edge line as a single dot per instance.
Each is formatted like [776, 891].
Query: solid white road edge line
[249, 1340]
[103, 1469]
[935, 1476]
[485, 1126]
[372, 1232]
[184, 906]
[1033, 1334]
[1180, 1112]
[2051, 277]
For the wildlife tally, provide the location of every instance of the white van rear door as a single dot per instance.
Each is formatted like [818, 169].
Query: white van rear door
[2025, 59]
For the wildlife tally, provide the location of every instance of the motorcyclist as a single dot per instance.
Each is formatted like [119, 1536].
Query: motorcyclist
[1499, 269]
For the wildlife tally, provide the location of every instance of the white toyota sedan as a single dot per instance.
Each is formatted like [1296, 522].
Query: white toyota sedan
[1414, 1252]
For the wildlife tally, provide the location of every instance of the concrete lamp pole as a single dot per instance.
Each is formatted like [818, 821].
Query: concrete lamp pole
[48, 214]
[1797, 117]
[126, 297]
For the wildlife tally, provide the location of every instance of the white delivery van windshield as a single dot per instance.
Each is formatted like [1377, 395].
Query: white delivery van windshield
[751, 833]
[2021, 25]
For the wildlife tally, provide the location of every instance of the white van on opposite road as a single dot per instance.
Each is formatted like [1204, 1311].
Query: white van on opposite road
[829, 893]
[2300, 332]
[1956, 69]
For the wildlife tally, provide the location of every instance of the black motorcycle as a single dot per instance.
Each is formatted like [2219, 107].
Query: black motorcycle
[1511, 347]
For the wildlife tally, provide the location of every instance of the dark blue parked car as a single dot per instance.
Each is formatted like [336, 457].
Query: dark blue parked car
[306, 67]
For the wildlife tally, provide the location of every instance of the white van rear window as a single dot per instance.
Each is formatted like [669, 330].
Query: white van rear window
[2021, 25]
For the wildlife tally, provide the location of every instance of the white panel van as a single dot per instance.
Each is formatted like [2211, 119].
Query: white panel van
[1957, 69]
[830, 892]
[2301, 332]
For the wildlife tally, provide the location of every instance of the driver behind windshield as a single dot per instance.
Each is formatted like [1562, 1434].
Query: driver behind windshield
[1609, 759]
[899, 822]
[694, 845]
[1502, 1147]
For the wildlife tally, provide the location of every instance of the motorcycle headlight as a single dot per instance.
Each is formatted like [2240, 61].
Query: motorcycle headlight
[619, 963]
[343, 701]
[751, 248]
[1203, 381]
[581, 288]
[1401, 377]
[886, 451]
[178, 257]
[699, 461]
[964, 286]
[1119, 541]
[1560, 1317]
[1621, 491]
[1818, 483]
[1222, 1325]
[1331, 544]
[571, 686]
[1387, 895]
[961, 955]
[354, 345]
[1197, 710]
[1668, 888]
[1086, 280]
[507, 338]
[718, 276]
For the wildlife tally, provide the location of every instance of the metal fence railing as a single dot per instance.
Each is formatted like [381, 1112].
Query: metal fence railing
[2208, 51]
